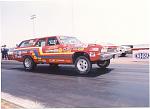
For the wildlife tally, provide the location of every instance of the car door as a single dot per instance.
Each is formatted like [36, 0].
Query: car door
[41, 43]
[54, 51]
[52, 46]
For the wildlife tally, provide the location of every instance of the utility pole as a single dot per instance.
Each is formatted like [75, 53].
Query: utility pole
[33, 20]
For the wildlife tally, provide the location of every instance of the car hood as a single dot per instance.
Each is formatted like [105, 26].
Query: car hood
[85, 45]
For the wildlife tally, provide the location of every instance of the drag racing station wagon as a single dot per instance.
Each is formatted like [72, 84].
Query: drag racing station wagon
[55, 50]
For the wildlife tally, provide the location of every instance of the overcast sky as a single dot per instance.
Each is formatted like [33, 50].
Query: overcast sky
[114, 21]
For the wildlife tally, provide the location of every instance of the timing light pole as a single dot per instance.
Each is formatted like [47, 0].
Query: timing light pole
[33, 19]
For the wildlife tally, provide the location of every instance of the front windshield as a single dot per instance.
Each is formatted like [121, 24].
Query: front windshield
[69, 40]
[27, 43]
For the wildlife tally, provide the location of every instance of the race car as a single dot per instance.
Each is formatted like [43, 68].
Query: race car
[55, 50]
[124, 50]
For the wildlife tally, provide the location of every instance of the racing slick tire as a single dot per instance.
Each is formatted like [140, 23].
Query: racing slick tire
[83, 65]
[29, 64]
[103, 64]
[55, 66]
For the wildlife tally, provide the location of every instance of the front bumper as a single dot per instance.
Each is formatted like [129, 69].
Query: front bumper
[107, 55]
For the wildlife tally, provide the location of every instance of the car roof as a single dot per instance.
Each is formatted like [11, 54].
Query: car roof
[39, 38]
[46, 37]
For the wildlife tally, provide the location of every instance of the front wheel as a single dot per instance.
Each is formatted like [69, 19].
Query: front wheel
[83, 65]
[29, 64]
[103, 64]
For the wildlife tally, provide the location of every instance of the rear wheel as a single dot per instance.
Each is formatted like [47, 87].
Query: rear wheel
[103, 64]
[83, 65]
[29, 64]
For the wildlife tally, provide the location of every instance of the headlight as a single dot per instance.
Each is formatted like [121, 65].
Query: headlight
[104, 49]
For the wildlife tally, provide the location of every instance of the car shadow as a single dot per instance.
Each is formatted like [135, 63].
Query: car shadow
[66, 70]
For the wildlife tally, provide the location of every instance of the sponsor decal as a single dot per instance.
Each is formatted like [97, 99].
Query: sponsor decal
[142, 55]
[18, 53]
[92, 54]
[24, 51]
[80, 49]
[52, 51]
[60, 50]
[67, 50]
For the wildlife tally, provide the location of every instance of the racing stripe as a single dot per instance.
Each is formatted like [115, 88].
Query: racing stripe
[52, 56]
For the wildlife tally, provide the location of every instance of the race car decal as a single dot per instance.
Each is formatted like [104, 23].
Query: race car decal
[41, 52]
[38, 54]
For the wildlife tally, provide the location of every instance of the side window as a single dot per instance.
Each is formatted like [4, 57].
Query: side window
[52, 41]
[41, 43]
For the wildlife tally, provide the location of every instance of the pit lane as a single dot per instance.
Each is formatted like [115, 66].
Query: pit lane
[123, 84]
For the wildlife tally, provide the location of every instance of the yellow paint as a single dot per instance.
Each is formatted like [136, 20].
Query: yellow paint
[80, 48]
[60, 50]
